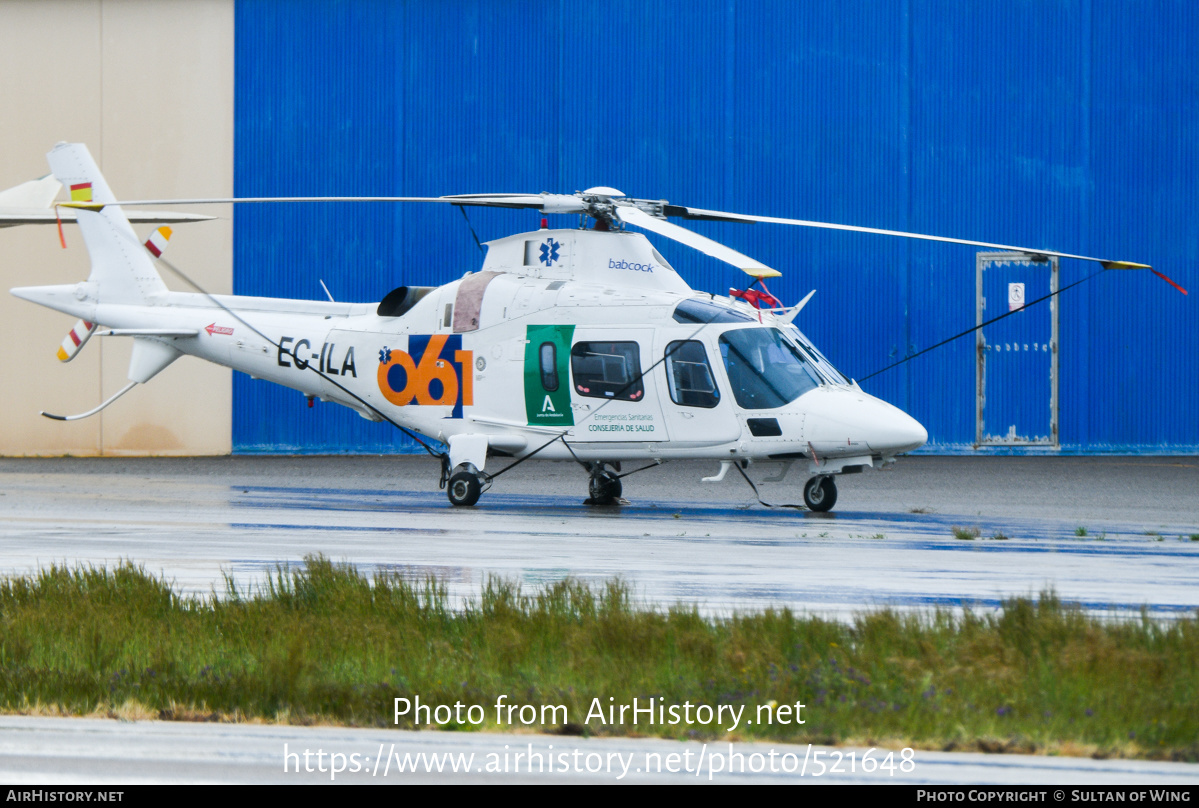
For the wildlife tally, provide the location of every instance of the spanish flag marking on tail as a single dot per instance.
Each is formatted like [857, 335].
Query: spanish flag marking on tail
[81, 192]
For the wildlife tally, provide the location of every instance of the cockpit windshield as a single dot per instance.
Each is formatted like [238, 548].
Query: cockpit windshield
[823, 366]
[765, 370]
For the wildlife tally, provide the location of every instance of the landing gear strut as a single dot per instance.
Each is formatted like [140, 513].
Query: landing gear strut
[820, 494]
[604, 486]
[465, 485]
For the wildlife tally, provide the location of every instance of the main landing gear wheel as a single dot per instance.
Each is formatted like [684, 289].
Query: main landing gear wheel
[464, 488]
[820, 494]
[604, 487]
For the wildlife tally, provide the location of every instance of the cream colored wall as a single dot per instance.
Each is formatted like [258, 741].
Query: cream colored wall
[148, 86]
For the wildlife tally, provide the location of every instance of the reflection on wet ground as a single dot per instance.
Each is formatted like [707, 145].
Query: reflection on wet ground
[722, 555]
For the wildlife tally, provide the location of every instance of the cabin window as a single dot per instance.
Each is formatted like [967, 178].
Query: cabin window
[549, 366]
[607, 370]
[689, 375]
[765, 370]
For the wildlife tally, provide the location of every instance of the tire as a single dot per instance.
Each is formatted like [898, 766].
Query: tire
[464, 489]
[605, 488]
[820, 494]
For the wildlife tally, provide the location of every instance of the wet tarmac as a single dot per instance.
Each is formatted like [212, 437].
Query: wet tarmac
[1114, 534]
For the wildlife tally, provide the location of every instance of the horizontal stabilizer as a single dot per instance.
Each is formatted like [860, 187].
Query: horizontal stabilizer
[151, 332]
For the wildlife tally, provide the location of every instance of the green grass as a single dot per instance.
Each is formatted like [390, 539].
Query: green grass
[966, 533]
[323, 643]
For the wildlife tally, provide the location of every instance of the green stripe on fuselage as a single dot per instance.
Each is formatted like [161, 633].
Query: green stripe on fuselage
[544, 407]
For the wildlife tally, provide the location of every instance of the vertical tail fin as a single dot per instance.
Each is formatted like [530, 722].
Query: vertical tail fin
[121, 270]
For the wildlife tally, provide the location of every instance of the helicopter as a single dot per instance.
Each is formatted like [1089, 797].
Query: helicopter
[576, 344]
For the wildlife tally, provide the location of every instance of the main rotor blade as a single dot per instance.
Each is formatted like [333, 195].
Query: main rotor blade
[489, 200]
[546, 203]
[721, 216]
[11, 219]
[638, 217]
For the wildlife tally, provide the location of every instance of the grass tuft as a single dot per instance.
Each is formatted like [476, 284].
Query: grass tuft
[322, 643]
[966, 533]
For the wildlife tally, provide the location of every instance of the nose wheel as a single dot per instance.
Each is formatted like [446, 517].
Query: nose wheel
[820, 494]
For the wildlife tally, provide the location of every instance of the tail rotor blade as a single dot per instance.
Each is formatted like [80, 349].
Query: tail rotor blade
[75, 339]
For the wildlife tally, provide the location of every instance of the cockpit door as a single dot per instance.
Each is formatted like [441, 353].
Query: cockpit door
[695, 397]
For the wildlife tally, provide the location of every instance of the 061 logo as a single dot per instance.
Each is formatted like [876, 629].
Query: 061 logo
[434, 371]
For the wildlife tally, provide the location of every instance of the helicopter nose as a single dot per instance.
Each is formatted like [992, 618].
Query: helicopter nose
[897, 432]
[851, 417]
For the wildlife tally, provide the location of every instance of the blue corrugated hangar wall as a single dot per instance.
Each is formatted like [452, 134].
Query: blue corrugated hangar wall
[1065, 124]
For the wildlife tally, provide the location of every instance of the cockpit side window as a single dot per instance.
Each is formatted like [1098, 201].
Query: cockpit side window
[607, 370]
[765, 370]
[689, 375]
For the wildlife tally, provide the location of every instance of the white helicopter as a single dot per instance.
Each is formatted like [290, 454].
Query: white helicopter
[580, 344]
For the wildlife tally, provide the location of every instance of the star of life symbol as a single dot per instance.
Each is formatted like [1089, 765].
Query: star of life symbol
[384, 356]
[549, 251]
